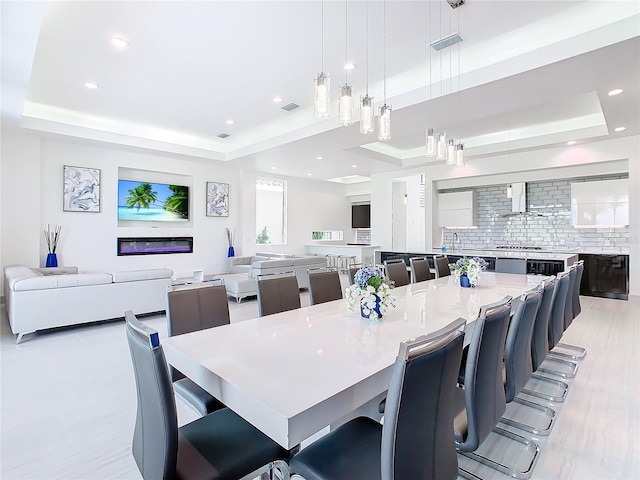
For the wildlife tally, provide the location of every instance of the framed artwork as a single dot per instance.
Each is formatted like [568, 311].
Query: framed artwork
[81, 189]
[217, 199]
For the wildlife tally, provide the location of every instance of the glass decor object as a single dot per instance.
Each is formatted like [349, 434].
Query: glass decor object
[52, 260]
[460, 155]
[322, 98]
[464, 281]
[441, 146]
[384, 123]
[451, 152]
[366, 115]
[430, 142]
[346, 105]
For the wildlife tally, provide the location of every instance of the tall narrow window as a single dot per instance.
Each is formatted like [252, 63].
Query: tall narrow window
[271, 211]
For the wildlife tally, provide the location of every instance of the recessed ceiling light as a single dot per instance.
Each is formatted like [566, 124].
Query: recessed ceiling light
[91, 85]
[277, 99]
[274, 168]
[354, 166]
[620, 129]
[230, 122]
[350, 66]
[616, 91]
[319, 157]
[309, 174]
[571, 142]
[119, 42]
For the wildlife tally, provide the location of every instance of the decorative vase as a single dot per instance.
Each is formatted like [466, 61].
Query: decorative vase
[52, 260]
[231, 252]
[464, 281]
[376, 309]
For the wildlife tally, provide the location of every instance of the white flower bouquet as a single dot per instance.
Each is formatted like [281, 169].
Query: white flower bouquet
[372, 290]
[471, 267]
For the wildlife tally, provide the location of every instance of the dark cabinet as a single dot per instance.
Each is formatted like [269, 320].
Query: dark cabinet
[545, 267]
[605, 276]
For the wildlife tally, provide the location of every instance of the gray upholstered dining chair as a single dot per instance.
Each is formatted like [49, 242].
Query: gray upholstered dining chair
[517, 363]
[324, 286]
[396, 271]
[420, 271]
[441, 262]
[482, 402]
[219, 446]
[571, 311]
[193, 307]
[277, 293]
[540, 345]
[353, 269]
[416, 440]
[556, 329]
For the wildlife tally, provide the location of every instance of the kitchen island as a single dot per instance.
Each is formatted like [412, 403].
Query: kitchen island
[360, 253]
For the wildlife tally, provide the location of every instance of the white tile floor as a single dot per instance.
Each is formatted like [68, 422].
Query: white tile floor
[68, 401]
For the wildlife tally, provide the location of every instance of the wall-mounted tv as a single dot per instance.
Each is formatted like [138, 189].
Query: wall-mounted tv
[360, 216]
[152, 202]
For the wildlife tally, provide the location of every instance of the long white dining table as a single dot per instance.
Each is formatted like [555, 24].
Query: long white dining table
[296, 372]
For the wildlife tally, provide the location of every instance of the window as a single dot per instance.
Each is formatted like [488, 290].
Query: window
[270, 211]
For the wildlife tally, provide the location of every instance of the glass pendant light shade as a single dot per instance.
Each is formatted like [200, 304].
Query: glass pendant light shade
[460, 155]
[509, 192]
[430, 142]
[441, 146]
[367, 115]
[451, 152]
[384, 123]
[346, 105]
[322, 96]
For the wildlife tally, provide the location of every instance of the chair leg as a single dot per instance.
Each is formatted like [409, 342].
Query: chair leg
[579, 355]
[546, 396]
[570, 374]
[550, 413]
[530, 444]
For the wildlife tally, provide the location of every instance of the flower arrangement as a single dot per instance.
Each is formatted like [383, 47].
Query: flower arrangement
[372, 289]
[471, 267]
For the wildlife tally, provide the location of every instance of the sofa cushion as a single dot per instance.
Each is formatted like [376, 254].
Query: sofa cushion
[44, 282]
[58, 270]
[273, 263]
[137, 275]
[15, 273]
[310, 260]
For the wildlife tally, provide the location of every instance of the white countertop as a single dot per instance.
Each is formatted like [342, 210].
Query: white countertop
[293, 373]
[523, 254]
[340, 245]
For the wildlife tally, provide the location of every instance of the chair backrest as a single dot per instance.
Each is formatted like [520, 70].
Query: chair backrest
[353, 269]
[568, 307]
[324, 286]
[540, 337]
[510, 265]
[484, 395]
[397, 272]
[517, 349]
[417, 435]
[155, 436]
[195, 307]
[556, 323]
[420, 270]
[277, 293]
[441, 262]
[576, 288]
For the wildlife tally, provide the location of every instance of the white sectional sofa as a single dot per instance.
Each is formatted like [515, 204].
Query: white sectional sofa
[37, 299]
[241, 280]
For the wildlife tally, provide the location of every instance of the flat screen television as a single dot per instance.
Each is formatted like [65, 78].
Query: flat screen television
[360, 216]
[152, 202]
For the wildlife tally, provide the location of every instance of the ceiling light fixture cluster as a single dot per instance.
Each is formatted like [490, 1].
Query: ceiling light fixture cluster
[451, 151]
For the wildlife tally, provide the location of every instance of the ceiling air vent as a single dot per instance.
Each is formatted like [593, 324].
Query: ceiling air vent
[290, 106]
[223, 135]
[447, 41]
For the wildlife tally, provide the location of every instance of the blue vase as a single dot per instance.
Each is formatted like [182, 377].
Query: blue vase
[231, 252]
[464, 281]
[376, 309]
[52, 260]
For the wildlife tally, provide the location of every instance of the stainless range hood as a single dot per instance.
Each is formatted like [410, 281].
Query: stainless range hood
[519, 202]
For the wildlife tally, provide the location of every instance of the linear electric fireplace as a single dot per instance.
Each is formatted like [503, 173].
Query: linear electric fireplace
[154, 245]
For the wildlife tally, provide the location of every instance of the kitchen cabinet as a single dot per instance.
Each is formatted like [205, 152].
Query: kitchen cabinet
[605, 276]
[603, 203]
[456, 209]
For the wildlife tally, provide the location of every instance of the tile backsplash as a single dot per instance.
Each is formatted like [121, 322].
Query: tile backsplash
[552, 231]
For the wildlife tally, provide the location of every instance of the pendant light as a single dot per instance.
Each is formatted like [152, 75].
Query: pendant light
[346, 92]
[451, 152]
[322, 97]
[430, 132]
[441, 146]
[460, 154]
[367, 112]
[384, 119]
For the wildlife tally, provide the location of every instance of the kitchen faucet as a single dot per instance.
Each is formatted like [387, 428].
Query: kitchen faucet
[456, 242]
